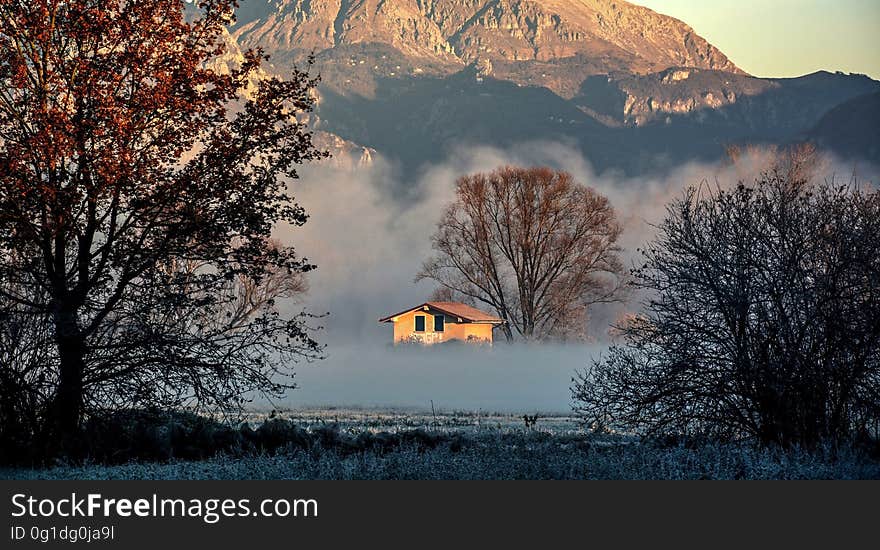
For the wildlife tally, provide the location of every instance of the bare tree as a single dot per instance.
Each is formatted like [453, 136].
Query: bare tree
[796, 162]
[764, 320]
[26, 384]
[531, 243]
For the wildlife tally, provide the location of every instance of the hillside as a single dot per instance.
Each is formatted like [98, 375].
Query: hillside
[633, 89]
[852, 129]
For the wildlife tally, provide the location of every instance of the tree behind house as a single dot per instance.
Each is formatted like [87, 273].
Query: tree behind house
[531, 243]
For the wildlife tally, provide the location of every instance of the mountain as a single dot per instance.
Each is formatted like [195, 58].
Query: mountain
[633, 89]
[465, 30]
[523, 40]
[852, 129]
[343, 151]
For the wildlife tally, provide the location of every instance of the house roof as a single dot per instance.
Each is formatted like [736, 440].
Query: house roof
[455, 309]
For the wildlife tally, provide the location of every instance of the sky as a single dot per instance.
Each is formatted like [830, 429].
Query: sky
[781, 38]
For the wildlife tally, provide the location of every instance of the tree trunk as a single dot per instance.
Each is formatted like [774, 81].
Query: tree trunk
[505, 328]
[66, 409]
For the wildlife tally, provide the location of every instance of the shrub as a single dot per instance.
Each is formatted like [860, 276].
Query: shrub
[763, 320]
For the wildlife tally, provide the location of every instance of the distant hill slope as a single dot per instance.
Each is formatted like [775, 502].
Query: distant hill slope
[852, 129]
[633, 89]
[428, 117]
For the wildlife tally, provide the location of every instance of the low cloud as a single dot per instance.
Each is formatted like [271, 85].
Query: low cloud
[369, 232]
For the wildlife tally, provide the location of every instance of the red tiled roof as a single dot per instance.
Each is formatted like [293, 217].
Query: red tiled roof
[464, 311]
[454, 309]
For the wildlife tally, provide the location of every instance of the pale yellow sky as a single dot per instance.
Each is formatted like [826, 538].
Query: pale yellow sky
[778, 38]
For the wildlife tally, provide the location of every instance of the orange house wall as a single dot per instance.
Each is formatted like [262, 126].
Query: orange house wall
[405, 328]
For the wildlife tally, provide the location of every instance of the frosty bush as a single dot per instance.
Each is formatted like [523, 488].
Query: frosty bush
[763, 321]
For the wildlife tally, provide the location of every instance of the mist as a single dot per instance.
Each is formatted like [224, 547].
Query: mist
[369, 231]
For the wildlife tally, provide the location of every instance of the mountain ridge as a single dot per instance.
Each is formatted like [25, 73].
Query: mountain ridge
[633, 89]
[460, 32]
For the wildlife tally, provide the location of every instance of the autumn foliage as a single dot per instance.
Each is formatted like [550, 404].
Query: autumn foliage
[138, 190]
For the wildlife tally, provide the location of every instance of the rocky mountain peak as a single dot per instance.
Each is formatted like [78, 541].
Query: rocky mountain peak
[463, 31]
[635, 90]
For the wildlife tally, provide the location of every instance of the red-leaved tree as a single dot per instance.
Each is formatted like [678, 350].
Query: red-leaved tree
[138, 190]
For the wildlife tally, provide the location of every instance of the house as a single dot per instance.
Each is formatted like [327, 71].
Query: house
[437, 322]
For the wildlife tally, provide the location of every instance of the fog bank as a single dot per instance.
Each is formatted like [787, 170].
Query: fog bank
[501, 378]
[369, 232]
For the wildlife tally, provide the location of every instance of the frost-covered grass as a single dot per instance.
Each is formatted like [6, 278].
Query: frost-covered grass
[357, 419]
[484, 446]
[544, 460]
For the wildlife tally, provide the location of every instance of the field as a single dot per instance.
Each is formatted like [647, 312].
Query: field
[356, 420]
[476, 445]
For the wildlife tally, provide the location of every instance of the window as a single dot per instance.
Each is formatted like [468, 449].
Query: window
[439, 322]
[420, 323]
